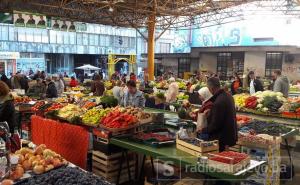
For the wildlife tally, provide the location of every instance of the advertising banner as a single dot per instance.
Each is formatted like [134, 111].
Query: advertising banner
[31, 20]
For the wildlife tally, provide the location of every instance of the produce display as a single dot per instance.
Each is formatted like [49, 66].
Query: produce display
[22, 99]
[40, 160]
[109, 101]
[153, 137]
[262, 127]
[240, 99]
[70, 112]
[242, 120]
[134, 111]
[117, 119]
[93, 116]
[89, 104]
[257, 140]
[54, 107]
[251, 102]
[229, 157]
[38, 105]
[181, 85]
[66, 175]
[182, 96]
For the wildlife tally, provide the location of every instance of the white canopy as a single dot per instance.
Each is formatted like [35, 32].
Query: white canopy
[88, 67]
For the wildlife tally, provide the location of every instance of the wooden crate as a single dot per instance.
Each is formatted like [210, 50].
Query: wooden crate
[229, 168]
[107, 166]
[197, 150]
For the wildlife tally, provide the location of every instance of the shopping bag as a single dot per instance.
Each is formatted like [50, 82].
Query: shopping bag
[201, 121]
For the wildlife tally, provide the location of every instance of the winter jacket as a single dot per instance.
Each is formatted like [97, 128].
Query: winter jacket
[37, 90]
[7, 112]
[24, 83]
[97, 88]
[73, 83]
[60, 87]
[221, 121]
[281, 84]
[172, 92]
[51, 91]
[135, 100]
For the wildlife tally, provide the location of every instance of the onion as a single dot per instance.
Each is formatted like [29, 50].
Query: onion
[26, 165]
[7, 182]
[38, 169]
[39, 150]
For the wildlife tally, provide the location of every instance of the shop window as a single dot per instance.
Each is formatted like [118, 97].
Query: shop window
[184, 65]
[230, 63]
[79, 39]
[164, 47]
[273, 62]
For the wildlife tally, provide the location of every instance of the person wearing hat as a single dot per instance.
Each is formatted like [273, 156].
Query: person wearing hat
[51, 91]
[173, 91]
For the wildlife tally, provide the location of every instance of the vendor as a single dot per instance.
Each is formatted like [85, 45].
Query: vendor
[7, 108]
[38, 89]
[73, 82]
[236, 84]
[173, 91]
[254, 84]
[51, 91]
[97, 86]
[221, 119]
[133, 96]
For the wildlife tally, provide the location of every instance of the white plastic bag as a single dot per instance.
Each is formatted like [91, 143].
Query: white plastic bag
[201, 121]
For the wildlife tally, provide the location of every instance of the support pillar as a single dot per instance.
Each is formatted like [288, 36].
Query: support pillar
[151, 45]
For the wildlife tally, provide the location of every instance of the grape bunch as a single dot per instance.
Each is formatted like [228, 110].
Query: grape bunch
[65, 176]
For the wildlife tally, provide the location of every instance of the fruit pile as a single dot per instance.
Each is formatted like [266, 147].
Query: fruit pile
[38, 105]
[22, 99]
[181, 85]
[257, 140]
[94, 115]
[66, 175]
[117, 119]
[229, 157]
[242, 120]
[54, 107]
[39, 161]
[262, 127]
[152, 136]
[89, 104]
[182, 96]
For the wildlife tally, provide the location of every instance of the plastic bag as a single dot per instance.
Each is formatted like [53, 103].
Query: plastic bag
[201, 121]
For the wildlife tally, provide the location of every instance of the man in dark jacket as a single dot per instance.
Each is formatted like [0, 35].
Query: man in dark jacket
[254, 84]
[51, 91]
[221, 120]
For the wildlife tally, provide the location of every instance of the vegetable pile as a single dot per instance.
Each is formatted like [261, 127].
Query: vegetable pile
[251, 102]
[94, 115]
[229, 157]
[117, 119]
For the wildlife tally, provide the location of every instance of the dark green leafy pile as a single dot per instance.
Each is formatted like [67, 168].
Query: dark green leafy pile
[160, 95]
[272, 103]
[294, 107]
[109, 101]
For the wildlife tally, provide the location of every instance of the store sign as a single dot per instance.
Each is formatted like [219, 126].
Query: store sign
[9, 55]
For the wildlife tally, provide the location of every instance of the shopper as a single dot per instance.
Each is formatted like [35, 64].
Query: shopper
[173, 91]
[236, 84]
[133, 96]
[7, 108]
[254, 84]
[59, 84]
[73, 82]
[117, 90]
[43, 75]
[15, 81]
[51, 91]
[97, 86]
[24, 82]
[281, 83]
[38, 89]
[6, 80]
[132, 77]
[221, 119]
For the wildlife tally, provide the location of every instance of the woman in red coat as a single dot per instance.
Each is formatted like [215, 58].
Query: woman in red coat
[73, 82]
